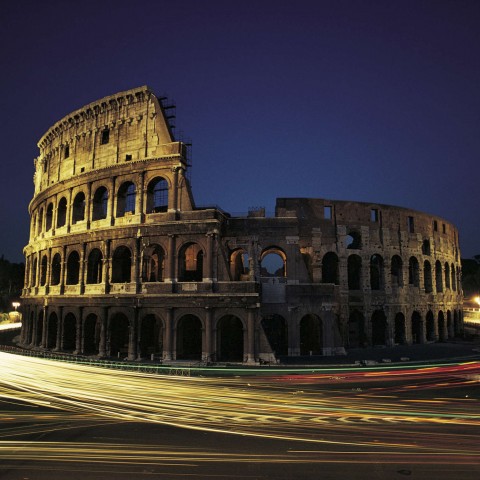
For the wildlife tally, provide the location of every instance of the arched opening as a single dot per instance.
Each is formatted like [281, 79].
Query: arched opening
[190, 263]
[354, 267]
[413, 272]
[442, 327]
[34, 273]
[276, 331]
[94, 266]
[239, 265]
[43, 271]
[379, 328]
[397, 271]
[417, 328]
[430, 327]
[126, 199]
[376, 272]
[330, 268]
[353, 240]
[151, 336]
[119, 335]
[189, 338]
[78, 212]
[356, 330]
[273, 263]
[40, 221]
[56, 269]
[450, 329]
[39, 330]
[69, 332]
[49, 217]
[400, 331]
[311, 335]
[73, 268]
[157, 195]
[427, 277]
[91, 335]
[447, 275]
[230, 339]
[52, 329]
[100, 204]
[122, 265]
[153, 264]
[438, 277]
[62, 212]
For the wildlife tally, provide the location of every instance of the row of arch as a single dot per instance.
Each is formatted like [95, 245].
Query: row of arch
[446, 275]
[50, 217]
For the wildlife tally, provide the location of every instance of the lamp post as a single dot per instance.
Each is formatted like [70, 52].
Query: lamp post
[15, 305]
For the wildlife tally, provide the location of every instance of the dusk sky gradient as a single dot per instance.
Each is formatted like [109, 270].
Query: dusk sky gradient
[375, 101]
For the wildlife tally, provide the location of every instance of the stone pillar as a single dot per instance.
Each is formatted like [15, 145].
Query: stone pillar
[251, 320]
[88, 205]
[207, 353]
[69, 210]
[170, 270]
[83, 261]
[48, 279]
[60, 335]
[79, 338]
[167, 344]
[102, 346]
[63, 270]
[44, 327]
[137, 265]
[112, 201]
[132, 337]
[209, 276]
[106, 266]
[173, 200]
[139, 200]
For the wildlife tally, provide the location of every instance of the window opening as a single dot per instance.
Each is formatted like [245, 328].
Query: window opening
[327, 212]
[105, 137]
[374, 215]
[410, 225]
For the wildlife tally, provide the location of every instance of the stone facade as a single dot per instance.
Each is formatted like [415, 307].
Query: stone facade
[121, 263]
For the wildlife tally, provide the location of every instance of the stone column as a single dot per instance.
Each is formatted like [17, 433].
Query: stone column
[69, 210]
[207, 354]
[173, 200]
[88, 205]
[137, 265]
[83, 262]
[132, 337]
[167, 344]
[209, 276]
[139, 201]
[44, 327]
[112, 201]
[102, 346]
[79, 338]
[251, 317]
[106, 266]
[63, 264]
[170, 270]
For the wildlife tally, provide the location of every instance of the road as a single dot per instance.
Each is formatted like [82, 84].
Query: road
[68, 421]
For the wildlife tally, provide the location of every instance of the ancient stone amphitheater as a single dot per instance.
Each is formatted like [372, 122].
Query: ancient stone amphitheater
[121, 263]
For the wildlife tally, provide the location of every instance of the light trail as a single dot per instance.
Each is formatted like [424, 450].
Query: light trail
[318, 409]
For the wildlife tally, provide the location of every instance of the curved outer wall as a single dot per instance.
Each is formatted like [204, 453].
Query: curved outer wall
[120, 262]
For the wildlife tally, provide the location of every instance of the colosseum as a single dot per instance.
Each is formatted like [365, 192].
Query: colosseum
[121, 263]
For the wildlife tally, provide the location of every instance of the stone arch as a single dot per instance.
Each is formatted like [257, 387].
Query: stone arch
[400, 329]
[91, 334]
[56, 269]
[376, 272]
[69, 332]
[157, 195]
[417, 327]
[122, 265]
[354, 268]
[150, 338]
[118, 335]
[239, 265]
[49, 217]
[430, 327]
[273, 262]
[427, 277]
[94, 266]
[353, 240]
[379, 328]
[442, 327]
[62, 212]
[73, 268]
[396, 271]
[447, 275]
[153, 264]
[356, 330]
[126, 199]
[438, 276]
[276, 331]
[330, 268]
[78, 208]
[230, 334]
[52, 330]
[413, 272]
[100, 203]
[189, 338]
[190, 263]
[311, 335]
[43, 271]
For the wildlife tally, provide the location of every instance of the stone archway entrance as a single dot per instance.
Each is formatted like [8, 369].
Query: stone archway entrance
[189, 338]
[311, 335]
[230, 339]
[119, 335]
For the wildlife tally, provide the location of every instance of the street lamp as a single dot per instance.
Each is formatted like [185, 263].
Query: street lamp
[477, 300]
[15, 305]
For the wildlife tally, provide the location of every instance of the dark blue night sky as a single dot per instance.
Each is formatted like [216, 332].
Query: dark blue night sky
[375, 101]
